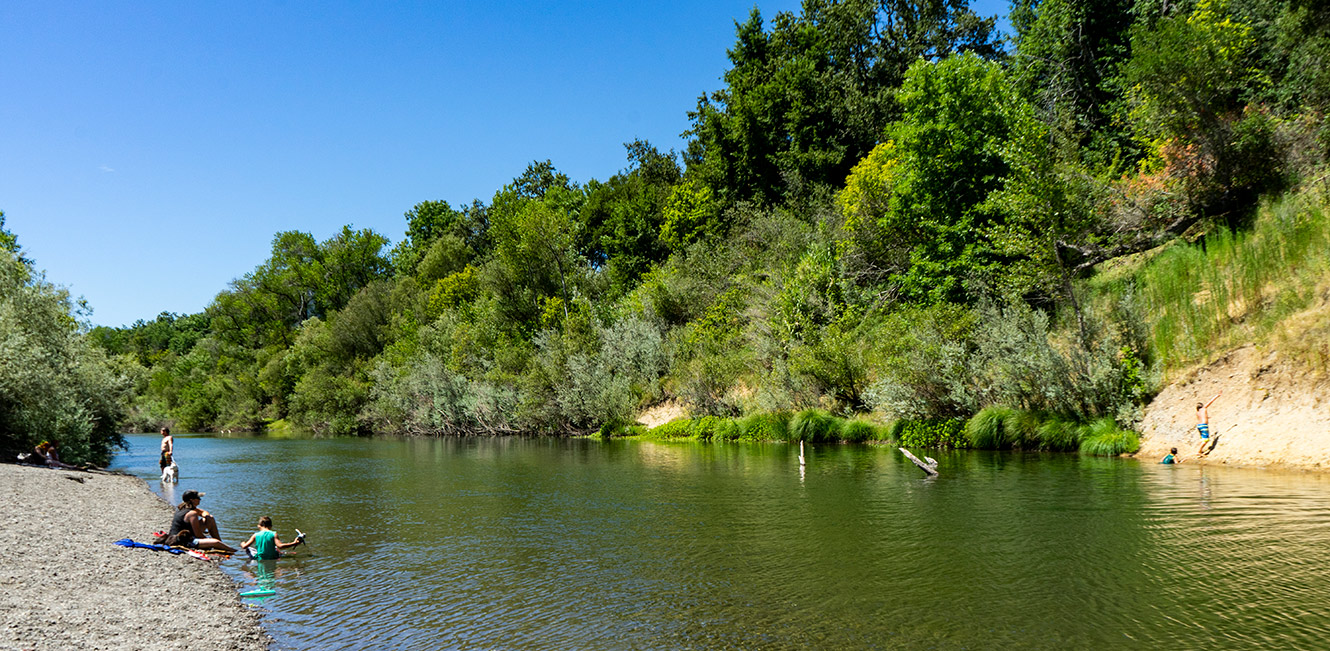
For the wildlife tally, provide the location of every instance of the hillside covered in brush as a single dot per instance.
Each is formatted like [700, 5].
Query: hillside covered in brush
[885, 211]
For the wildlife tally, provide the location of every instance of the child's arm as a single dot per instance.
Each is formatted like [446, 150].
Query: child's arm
[250, 541]
[1212, 400]
[282, 545]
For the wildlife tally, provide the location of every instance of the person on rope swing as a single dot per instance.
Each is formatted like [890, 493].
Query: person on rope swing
[1203, 421]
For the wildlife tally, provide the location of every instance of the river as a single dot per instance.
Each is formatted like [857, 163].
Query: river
[519, 543]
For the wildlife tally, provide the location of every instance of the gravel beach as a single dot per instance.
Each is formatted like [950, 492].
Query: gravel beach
[64, 585]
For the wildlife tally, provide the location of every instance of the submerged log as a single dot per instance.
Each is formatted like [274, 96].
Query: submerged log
[930, 468]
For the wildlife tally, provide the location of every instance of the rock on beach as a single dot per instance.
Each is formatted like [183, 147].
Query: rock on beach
[64, 585]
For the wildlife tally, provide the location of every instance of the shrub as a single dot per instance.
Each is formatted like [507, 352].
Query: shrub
[857, 431]
[1103, 438]
[679, 428]
[774, 426]
[987, 430]
[1056, 433]
[711, 428]
[948, 433]
[814, 426]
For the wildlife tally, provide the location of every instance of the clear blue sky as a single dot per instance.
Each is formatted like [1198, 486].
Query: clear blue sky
[150, 151]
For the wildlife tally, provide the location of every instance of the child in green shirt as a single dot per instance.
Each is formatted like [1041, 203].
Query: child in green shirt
[265, 545]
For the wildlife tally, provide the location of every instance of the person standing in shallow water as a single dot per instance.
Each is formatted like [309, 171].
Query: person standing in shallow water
[1203, 420]
[168, 449]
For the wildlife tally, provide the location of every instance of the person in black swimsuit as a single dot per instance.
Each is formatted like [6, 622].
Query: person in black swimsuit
[188, 515]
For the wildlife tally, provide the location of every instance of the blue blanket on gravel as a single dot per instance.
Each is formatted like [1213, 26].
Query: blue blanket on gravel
[125, 542]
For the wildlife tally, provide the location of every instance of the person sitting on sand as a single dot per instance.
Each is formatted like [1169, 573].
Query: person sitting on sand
[188, 515]
[46, 450]
[1172, 457]
[267, 546]
[1203, 420]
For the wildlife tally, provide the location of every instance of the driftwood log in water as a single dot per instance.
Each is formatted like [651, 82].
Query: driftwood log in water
[930, 468]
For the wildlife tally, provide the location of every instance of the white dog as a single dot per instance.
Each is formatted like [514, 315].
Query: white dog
[171, 474]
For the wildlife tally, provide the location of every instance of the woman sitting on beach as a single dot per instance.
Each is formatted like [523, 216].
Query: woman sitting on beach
[189, 516]
[46, 450]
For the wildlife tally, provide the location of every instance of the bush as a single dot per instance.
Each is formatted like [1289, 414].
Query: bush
[1103, 438]
[987, 430]
[773, 426]
[855, 430]
[1059, 434]
[680, 428]
[949, 433]
[814, 426]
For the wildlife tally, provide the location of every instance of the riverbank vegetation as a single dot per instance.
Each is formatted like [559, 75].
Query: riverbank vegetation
[887, 225]
[54, 383]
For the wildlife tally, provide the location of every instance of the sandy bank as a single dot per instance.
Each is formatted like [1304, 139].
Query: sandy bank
[63, 585]
[1271, 414]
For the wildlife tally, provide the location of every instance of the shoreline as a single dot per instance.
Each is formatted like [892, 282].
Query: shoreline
[65, 585]
[1270, 414]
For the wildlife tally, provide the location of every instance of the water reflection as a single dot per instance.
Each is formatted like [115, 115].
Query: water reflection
[549, 544]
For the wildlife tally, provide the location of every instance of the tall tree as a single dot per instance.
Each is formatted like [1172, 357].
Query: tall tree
[805, 101]
[928, 187]
[1068, 56]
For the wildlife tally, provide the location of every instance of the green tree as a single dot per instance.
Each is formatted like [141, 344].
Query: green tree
[928, 189]
[1190, 77]
[54, 383]
[1068, 59]
[623, 216]
[691, 214]
[805, 101]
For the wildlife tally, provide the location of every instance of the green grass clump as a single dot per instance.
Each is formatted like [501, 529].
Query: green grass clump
[1055, 433]
[987, 430]
[855, 430]
[1103, 438]
[1022, 427]
[773, 426]
[814, 426]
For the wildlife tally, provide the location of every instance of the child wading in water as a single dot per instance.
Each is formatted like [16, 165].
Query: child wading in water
[265, 543]
[1203, 421]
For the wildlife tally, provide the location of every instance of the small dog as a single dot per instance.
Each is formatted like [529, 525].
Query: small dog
[171, 474]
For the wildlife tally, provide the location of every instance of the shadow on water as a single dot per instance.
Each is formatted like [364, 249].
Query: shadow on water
[552, 544]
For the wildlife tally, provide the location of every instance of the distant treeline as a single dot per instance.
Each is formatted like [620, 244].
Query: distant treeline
[883, 210]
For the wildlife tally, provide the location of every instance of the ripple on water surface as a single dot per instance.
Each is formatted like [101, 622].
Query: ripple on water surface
[542, 544]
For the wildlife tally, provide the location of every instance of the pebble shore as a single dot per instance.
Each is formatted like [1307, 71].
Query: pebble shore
[64, 585]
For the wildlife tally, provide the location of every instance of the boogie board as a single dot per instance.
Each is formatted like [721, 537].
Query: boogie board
[258, 593]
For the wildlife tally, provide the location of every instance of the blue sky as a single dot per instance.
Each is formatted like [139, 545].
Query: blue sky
[150, 151]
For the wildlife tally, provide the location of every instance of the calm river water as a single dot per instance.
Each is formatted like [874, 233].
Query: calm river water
[581, 544]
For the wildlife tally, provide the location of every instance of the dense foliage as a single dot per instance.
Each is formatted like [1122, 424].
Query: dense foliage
[883, 211]
[55, 385]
